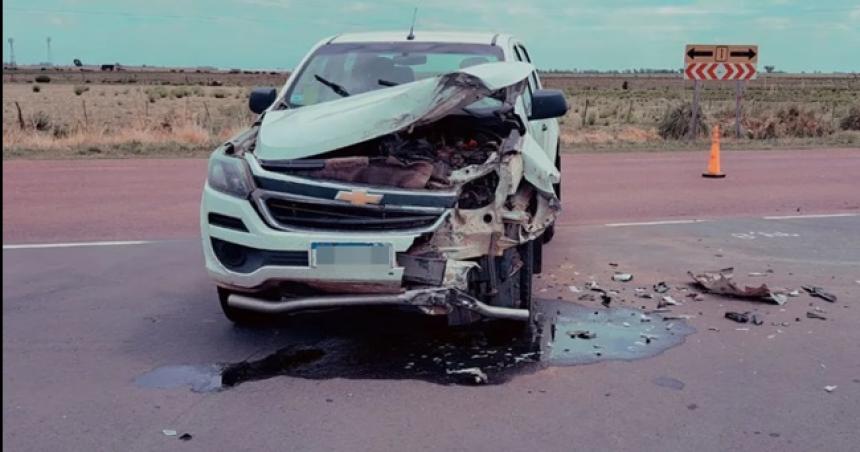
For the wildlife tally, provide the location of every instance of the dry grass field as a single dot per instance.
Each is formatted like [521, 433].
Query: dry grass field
[184, 112]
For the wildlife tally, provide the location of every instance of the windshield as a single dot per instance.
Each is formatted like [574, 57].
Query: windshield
[339, 70]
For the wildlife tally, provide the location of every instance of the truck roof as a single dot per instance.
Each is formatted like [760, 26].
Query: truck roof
[420, 36]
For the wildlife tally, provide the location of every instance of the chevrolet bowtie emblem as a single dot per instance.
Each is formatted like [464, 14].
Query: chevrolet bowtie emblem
[358, 197]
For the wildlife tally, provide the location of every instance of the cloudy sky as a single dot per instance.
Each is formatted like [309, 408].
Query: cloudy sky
[793, 35]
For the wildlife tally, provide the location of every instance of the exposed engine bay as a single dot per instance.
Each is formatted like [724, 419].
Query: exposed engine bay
[438, 156]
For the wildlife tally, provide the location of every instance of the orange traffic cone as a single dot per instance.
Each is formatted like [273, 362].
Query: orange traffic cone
[714, 163]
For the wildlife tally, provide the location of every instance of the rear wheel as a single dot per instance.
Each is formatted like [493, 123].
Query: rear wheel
[527, 254]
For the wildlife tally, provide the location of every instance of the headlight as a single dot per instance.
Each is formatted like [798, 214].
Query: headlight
[230, 175]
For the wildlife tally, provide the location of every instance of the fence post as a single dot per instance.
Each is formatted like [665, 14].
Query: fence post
[694, 116]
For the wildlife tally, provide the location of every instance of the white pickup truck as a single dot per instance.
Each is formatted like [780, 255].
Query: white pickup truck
[417, 171]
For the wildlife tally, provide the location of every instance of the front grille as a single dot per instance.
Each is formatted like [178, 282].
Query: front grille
[309, 215]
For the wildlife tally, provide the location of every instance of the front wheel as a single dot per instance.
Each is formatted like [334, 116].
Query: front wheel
[527, 255]
[550, 231]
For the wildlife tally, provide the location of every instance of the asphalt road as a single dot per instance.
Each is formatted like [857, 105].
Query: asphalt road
[81, 200]
[83, 327]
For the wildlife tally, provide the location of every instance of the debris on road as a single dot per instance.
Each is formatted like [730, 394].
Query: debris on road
[815, 315]
[738, 317]
[745, 317]
[574, 289]
[476, 375]
[667, 301]
[169, 432]
[582, 334]
[605, 300]
[661, 287]
[720, 282]
[185, 437]
[622, 277]
[830, 388]
[819, 293]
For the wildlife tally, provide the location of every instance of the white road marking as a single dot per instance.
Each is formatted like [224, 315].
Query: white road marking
[823, 215]
[654, 223]
[29, 246]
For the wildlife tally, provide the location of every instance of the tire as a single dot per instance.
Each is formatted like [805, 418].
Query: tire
[527, 255]
[550, 231]
[238, 316]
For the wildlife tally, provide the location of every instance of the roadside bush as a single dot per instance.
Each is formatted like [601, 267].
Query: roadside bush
[788, 122]
[37, 88]
[41, 121]
[675, 124]
[43, 79]
[158, 92]
[180, 92]
[852, 121]
[79, 89]
[219, 94]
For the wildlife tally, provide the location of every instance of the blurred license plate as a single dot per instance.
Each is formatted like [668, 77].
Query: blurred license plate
[352, 254]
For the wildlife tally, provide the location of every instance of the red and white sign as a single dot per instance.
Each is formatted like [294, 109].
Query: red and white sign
[720, 71]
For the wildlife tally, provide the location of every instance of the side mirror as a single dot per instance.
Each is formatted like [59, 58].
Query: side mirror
[261, 98]
[548, 103]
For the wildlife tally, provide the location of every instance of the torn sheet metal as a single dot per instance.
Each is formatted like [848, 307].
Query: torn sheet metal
[818, 292]
[720, 282]
[314, 129]
[538, 169]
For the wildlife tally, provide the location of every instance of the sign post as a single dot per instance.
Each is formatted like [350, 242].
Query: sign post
[720, 62]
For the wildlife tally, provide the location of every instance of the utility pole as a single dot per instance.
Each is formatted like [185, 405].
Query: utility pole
[11, 52]
[48, 61]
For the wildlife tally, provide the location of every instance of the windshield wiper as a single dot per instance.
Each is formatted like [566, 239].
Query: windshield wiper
[334, 86]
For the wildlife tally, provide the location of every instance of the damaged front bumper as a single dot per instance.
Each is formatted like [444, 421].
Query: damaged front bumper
[430, 301]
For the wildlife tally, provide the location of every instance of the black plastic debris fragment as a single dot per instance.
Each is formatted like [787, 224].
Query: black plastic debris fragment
[661, 287]
[815, 315]
[605, 300]
[185, 437]
[582, 334]
[738, 317]
[746, 317]
[820, 293]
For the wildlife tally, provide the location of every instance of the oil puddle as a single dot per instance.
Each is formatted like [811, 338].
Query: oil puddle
[198, 378]
[369, 344]
[583, 335]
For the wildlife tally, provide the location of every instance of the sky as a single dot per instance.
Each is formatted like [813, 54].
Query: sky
[793, 35]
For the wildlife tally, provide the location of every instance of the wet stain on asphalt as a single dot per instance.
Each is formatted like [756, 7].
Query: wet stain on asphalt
[385, 344]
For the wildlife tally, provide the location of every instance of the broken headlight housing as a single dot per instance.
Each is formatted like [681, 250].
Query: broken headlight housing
[230, 175]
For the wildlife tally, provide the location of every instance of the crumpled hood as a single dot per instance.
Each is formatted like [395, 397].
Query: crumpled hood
[315, 129]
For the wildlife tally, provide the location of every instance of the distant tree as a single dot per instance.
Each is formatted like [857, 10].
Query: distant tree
[769, 69]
